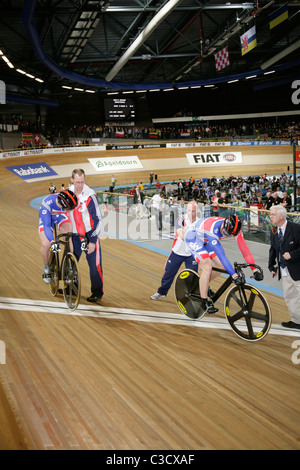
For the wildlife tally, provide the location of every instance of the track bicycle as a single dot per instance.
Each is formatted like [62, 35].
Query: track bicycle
[64, 267]
[246, 309]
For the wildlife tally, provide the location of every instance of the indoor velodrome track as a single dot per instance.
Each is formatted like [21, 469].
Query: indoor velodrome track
[130, 373]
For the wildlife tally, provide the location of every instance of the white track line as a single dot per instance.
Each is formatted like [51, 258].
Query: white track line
[98, 311]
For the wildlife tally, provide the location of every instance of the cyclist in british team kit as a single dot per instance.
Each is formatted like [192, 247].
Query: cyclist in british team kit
[203, 239]
[54, 209]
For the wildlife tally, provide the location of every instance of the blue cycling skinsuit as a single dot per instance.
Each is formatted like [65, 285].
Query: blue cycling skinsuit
[50, 213]
[203, 239]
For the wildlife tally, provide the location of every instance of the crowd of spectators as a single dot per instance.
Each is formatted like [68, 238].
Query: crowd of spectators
[261, 191]
[57, 134]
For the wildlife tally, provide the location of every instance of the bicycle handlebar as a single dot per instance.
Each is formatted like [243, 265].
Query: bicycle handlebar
[239, 266]
[71, 234]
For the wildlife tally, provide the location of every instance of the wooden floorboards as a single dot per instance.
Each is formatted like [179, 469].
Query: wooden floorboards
[104, 382]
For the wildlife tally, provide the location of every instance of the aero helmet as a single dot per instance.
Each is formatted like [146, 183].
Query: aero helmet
[67, 199]
[232, 225]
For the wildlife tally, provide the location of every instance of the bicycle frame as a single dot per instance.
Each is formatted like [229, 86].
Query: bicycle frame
[65, 269]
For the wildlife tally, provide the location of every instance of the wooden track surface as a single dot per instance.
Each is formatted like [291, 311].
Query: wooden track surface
[110, 379]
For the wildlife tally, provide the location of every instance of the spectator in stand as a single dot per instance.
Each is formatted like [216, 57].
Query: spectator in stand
[279, 192]
[277, 199]
[214, 200]
[287, 201]
[269, 200]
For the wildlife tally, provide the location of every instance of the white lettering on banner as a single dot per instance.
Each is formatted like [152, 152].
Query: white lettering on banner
[31, 171]
[116, 163]
[224, 158]
[296, 94]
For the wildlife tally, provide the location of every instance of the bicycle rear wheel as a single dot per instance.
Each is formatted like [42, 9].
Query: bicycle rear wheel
[71, 281]
[186, 294]
[248, 312]
[54, 267]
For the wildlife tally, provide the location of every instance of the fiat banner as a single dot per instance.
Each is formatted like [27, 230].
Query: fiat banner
[214, 158]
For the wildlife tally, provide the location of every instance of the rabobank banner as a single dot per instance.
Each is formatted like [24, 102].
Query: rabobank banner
[32, 170]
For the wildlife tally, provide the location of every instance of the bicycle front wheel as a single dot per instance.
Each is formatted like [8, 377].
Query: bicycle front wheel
[248, 312]
[187, 294]
[54, 267]
[71, 281]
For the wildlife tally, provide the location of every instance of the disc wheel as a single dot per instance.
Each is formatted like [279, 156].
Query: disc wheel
[53, 264]
[187, 292]
[248, 312]
[71, 281]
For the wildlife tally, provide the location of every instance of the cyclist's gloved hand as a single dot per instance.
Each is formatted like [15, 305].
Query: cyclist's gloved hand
[54, 247]
[239, 280]
[258, 276]
[84, 246]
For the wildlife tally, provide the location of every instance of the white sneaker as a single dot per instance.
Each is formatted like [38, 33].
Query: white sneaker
[47, 275]
[157, 296]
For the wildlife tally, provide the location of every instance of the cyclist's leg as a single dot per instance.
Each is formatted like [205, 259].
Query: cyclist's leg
[45, 245]
[199, 250]
[45, 252]
[64, 225]
[218, 264]
[206, 272]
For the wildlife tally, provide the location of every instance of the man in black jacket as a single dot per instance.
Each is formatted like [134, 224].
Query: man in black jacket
[285, 251]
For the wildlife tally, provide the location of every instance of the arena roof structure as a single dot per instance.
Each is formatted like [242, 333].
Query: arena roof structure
[50, 46]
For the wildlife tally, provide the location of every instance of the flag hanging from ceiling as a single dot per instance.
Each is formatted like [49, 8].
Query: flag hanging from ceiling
[278, 16]
[222, 59]
[248, 40]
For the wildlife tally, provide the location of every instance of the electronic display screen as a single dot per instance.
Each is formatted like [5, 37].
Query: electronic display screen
[119, 109]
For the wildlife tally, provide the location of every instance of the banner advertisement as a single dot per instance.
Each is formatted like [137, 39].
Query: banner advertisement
[32, 170]
[116, 163]
[214, 158]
